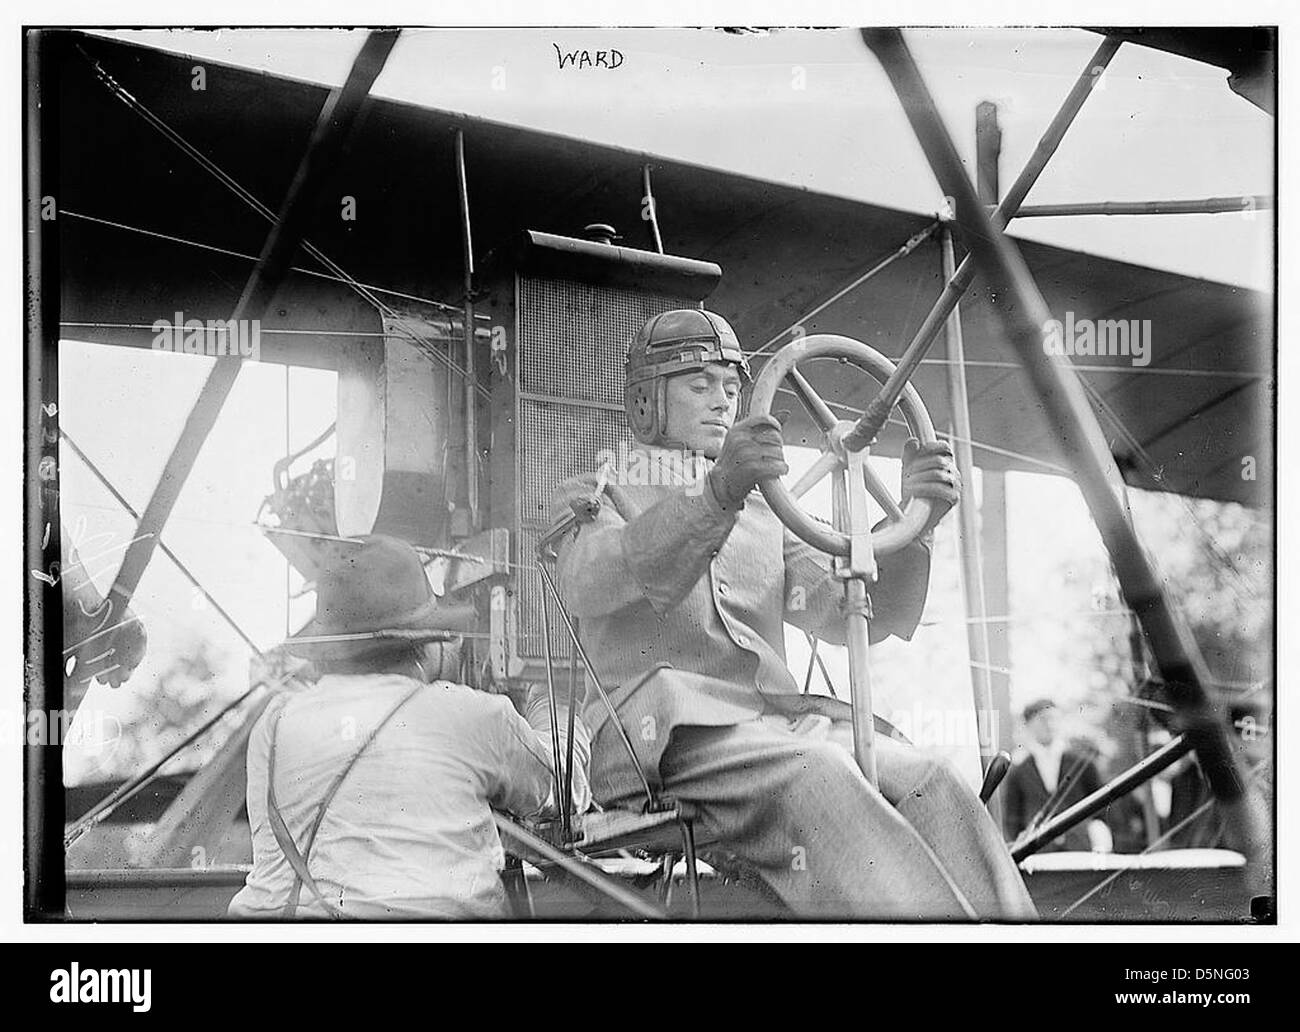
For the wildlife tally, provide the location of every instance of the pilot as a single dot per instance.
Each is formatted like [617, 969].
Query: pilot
[683, 580]
[370, 792]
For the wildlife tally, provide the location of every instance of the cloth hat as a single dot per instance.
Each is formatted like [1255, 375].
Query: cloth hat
[371, 593]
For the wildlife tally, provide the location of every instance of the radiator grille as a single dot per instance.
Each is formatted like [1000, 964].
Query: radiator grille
[573, 338]
[572, 344]
[557, 442]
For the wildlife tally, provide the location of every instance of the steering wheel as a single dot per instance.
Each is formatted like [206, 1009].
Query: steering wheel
[905, 524]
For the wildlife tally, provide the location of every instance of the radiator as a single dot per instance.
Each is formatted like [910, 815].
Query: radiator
[572, 342]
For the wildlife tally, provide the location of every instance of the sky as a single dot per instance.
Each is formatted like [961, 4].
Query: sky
[802, 107]
[813, 108]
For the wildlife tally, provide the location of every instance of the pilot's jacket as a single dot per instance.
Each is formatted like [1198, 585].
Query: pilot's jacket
[663, 577]
[681, 606]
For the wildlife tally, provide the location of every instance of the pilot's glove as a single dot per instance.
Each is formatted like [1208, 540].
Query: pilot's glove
[751, 452]
[929, 471]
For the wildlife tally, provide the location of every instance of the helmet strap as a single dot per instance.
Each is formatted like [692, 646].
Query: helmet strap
[661, 417]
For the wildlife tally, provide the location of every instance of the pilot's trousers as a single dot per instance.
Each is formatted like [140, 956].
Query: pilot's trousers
[788, 798]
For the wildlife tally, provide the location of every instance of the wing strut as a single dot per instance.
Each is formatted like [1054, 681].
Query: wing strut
[337, 117]
[1061, 393]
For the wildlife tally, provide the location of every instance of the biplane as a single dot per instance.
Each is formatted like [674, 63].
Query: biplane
[476, 321]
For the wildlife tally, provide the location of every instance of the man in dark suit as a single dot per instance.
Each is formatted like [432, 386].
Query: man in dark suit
[1051, 777]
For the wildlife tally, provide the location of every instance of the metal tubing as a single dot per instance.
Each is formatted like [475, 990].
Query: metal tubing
[1056, 130]
[812, 660]
[516, 886]
[665, 890]
[588, 875]
[471, 382]
[555, 717]
[858, 570]
[612, 264]
[44, 896]
[600, 688]
[1061, 393]
[572, 720]
[856, 630]
[988, 152]
[648, 209]
[968, 530]
[877, 412]
[1207, 206]
[692, 868]
[1140, 773]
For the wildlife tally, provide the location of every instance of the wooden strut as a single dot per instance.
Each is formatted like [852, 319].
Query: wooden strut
[44, 805]
[1061, 393]
[471, 379]
[877, 412]
[1204, 206]
[968, 530]
[337, 117]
